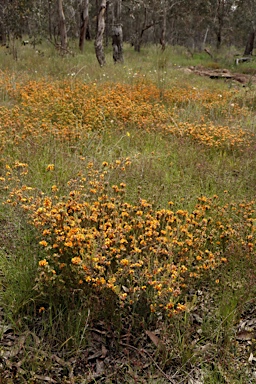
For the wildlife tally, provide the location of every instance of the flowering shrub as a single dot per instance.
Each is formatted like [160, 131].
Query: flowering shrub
[71, 111]
[94, 238]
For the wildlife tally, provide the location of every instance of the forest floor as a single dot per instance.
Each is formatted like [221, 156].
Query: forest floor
[140, 357]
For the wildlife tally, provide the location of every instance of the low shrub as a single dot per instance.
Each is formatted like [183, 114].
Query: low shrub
[95, 240]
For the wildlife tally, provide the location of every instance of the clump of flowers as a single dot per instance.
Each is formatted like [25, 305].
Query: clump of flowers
[44, 109]
[95, 238]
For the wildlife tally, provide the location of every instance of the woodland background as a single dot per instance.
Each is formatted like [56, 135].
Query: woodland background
[194, 24]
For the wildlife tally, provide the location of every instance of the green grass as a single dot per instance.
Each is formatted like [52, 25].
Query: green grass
[56, 341]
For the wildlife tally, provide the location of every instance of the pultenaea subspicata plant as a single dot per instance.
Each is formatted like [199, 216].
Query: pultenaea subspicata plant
[94, 238]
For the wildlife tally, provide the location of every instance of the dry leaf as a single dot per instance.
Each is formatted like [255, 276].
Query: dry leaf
[245, 335]
[104, 351]
[6, 328]
[45, 378]
[95, 356]
[99, 367]
[155, 339]
[251, 359]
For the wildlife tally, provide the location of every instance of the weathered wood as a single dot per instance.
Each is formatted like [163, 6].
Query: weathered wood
[242, 60]
[63, 28]
[223, 74]
[98, 44]
[117, 32]
[84, 24]
[117, 43]
[208, 53]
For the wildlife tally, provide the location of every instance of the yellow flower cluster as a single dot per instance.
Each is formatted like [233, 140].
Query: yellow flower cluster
[94, 237]
[69, 112]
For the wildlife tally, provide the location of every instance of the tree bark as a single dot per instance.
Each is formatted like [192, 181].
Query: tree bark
[250, 43]
[2, 35]
[50, 19]
[117, 33]
[84, 24]
[98, 44]
[220, 22]
[107, 22]
[63, 28]
[163, 30]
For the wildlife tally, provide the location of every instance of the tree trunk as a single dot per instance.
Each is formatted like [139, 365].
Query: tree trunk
[117, 33]
[220, 14]
[139, 33]
[163, 31]
[2, 35]
[219, 38]
[107, 23]
[63, 28]
[84, 24]
[50, 19]
[98, 44]
[205, 37]
[250, 43]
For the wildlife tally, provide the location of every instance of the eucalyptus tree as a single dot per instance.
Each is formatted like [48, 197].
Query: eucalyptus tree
[222, 10]
[10, 12]
[165, 11]
[152, 21]
[62, 26]
[98, 44]
[84, 26]
[141, 14]
[244, 20]
[3, 31]
[193, 23]
[117, 30]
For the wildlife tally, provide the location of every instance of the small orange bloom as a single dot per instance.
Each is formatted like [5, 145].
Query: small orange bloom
[76, 260]
[42, 263]
[50, 167]
[44, 243]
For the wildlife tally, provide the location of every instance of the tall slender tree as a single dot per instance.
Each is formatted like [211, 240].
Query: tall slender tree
[250, 42]
[164, 24]
[98, 44]
[84, 24]
[117, 31]
[245, 23]
[63, 28]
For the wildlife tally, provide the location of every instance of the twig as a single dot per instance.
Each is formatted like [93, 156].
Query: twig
[143, 351]
[60, 48]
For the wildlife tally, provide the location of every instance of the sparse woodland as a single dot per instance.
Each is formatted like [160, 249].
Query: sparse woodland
[193, 24]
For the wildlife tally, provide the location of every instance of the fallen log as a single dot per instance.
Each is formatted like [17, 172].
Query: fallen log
[223, 74]
[243, 60]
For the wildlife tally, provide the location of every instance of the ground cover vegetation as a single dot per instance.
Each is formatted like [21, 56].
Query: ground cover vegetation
[127, 221]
